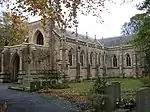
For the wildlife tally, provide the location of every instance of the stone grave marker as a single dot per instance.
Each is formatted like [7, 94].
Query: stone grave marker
[118, 90]
[43, 83]
[33, 86]
[113, 92]
[38, 84]
[143, 100]
[53, 82]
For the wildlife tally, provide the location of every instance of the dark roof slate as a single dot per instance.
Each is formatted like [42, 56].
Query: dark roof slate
[71, 34]
[115, 41]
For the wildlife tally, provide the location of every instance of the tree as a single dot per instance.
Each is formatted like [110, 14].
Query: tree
[13, 29]
[61, 12]
[139, 25]
[131, 27]
[144, 6]
[142, 38]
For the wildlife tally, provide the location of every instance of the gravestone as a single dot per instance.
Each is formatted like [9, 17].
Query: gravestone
[114, 94]
[33, 86]
[38, 85]
[117, 87]
[53, 82]
[43, 83]
[48, 83]
[143, 100]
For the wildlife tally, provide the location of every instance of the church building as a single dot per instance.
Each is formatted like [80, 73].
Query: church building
[70, 54]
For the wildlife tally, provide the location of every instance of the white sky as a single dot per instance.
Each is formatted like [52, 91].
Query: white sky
[119, 14]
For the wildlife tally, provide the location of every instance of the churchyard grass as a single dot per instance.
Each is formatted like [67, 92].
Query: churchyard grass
[78, 92]
[126, 84]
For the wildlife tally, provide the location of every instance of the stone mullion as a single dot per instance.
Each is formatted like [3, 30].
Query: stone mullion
[134, 60]
[121, 63]
[20, 65]
[97, 59]
[135, 64]
[104, 63]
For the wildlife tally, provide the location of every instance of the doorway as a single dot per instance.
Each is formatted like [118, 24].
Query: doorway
[15, 68]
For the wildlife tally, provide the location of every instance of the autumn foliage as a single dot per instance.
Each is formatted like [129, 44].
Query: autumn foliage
[13, 28]
[62, 13]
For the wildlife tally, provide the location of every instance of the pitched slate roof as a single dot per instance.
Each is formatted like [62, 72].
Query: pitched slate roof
[107, 42]
[115, 41]
[71, 34]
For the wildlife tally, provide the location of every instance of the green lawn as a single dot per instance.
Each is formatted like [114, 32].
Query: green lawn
[126, 83]
[129, 83]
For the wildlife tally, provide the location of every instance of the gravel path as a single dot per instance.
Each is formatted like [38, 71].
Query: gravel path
[30, 102]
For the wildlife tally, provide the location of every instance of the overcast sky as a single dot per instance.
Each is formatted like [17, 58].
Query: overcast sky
[119, 14]
[112, 21]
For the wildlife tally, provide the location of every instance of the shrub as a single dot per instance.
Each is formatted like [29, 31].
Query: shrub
[128, 102]
[45, 84]
[99, 85]
[93, 78]
[98, 101]
[59, 86]
[96, 95]
[76, 81]
[44, 87]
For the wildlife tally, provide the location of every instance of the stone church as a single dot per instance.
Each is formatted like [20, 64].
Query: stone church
[70, 54]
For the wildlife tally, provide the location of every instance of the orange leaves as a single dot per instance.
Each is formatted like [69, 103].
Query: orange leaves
[62, 12]
[17, 25]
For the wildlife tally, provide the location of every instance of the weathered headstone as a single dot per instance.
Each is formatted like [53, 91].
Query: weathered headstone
[38, 85]
[118, 90]
[143, 100]
[43, 83]
[53, 82]
[33, 86]
[48, 83]
[113, 92]
[110, 91]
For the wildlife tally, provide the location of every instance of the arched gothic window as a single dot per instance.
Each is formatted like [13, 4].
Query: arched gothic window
[70, 57]
[128, 60]
[91, 58]
[82, 54]
[40, 39]
[114, 61]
